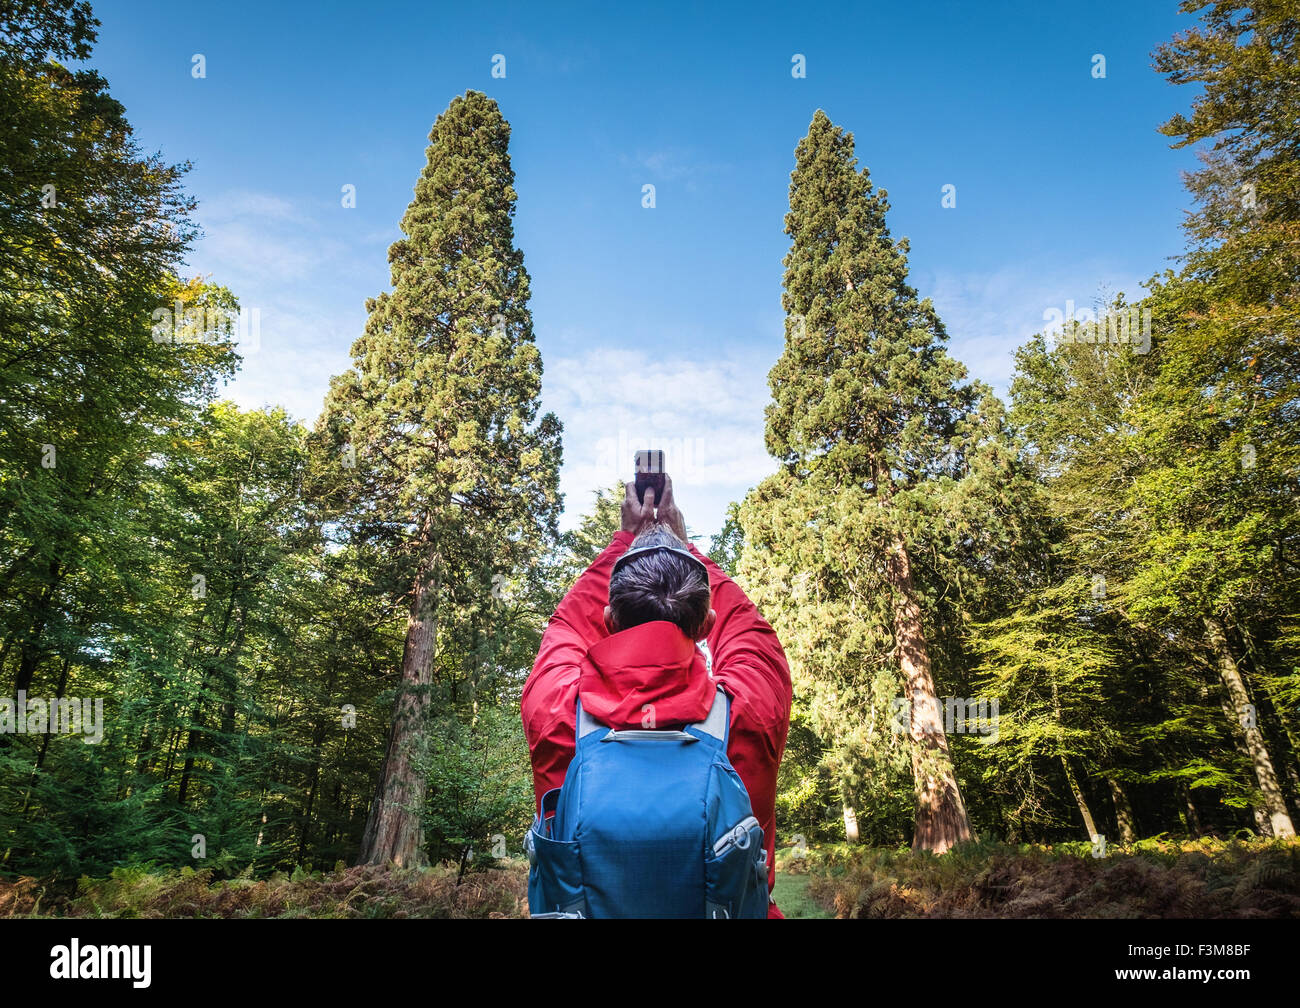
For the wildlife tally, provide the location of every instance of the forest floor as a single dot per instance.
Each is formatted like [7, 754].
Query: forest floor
[1154, 878]
[794, 899]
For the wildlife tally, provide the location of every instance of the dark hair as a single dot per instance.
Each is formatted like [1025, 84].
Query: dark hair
[660, 586]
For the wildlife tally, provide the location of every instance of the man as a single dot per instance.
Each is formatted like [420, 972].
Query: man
[627, 644]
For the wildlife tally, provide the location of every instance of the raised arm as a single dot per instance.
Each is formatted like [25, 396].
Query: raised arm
[747, 657]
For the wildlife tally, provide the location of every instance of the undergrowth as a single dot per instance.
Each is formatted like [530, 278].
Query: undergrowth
[1150, 879]
[365, 891]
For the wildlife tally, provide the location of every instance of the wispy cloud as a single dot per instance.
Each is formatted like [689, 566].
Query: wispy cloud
[238, 204]
[706, 414]
[298, 351]
[672, 164]
[989, 315]
[283, 264]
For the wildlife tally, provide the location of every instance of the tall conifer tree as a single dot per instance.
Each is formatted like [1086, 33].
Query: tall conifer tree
[441, 457]
[873, 424]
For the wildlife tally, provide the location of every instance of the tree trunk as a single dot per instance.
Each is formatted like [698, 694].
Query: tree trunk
[30, 648]
[1230, 675]
[192, 741]
[174, 735]
[317, 740]
[850, 823]
[182, 792]
[1089, 823]
[7, 579]
[941, 820]
[1293, 779]
[1279, 733]
[1124, 817]
[1191, 818]
[209, 664]
[45, 740]
[1278, 737]
[1257, 810]
[393, 829]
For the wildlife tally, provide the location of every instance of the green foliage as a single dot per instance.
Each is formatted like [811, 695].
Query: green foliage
[727, 545]
[480, 795]
[1168, 482]
[579, 547]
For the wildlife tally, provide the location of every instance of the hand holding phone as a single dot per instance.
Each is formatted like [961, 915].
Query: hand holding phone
[667, 513]
[649, 467]
[636, 516]
[656, 508]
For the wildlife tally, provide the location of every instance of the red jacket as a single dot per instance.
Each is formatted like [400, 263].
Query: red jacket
[656, 663]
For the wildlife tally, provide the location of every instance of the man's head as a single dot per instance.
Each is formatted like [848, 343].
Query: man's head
[660, 585]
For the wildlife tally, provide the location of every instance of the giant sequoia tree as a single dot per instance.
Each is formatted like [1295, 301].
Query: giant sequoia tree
[884, 446]
[440, 456]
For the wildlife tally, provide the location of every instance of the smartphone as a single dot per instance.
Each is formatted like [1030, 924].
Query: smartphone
[649, 465]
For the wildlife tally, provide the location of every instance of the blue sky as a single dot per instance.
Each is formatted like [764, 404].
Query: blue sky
[658, 326]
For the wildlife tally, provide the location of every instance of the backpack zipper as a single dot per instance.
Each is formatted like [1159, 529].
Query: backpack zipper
[634, 734]
[737, 836]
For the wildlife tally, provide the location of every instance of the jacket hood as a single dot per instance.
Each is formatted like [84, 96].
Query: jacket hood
[653, 665]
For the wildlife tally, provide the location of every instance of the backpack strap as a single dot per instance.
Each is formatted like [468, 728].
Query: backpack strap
[717, 724]
[585, 723]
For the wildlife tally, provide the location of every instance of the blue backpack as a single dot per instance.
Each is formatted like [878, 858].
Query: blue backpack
[649, 823]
